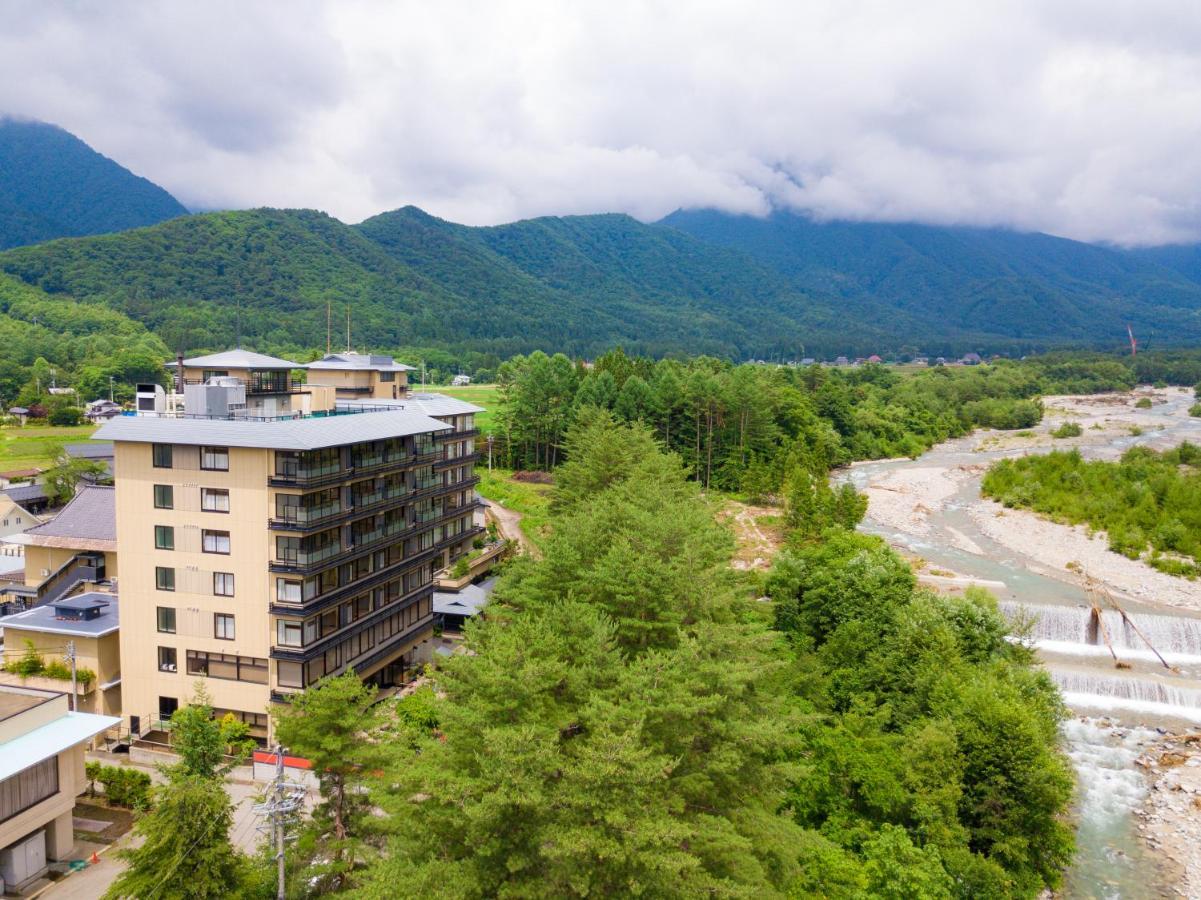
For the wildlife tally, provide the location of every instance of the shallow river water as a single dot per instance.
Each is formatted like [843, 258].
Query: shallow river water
[1118, 709]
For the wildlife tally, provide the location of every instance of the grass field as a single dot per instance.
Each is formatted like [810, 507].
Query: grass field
[484, 395]
[532, 501]
[37, 445]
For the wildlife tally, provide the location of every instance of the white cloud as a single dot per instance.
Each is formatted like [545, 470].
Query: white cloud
[1078, 118]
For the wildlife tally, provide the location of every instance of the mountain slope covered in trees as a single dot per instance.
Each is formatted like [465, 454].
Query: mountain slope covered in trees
[414, 280]
[964, 280]
[698, 283]
[54, 185]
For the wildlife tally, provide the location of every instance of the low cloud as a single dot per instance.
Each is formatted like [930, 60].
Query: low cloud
[1079, 119]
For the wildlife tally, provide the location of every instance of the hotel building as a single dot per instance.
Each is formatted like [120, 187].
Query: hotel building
[262, 552]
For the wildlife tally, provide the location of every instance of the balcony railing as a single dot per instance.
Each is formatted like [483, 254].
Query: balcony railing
[307, 515]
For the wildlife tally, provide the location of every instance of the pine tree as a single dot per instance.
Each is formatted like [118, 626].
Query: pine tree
[334, 725]
[185, 853]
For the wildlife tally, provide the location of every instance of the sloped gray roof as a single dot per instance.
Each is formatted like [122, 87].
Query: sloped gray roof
[310, 433]
[24, 493]
[359, 361]
[467, 602]
[239, 359]
[87, 522]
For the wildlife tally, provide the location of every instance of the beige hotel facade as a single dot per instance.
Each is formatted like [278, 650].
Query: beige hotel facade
[259, 553]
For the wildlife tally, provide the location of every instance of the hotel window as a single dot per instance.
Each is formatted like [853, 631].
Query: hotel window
[287, 591]
[164, 537]
[214, 458]
[162, 456]
[167, 659]
[223, 626]
[214, 541]
[288, 633]
[164, 578]
[223, 584]
[164, 496]
[214, 500]
[289, 674]
[225, 665]
[166, 619]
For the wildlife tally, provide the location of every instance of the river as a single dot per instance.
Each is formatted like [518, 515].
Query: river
[931, 508]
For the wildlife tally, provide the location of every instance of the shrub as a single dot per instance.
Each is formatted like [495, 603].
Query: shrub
[91, 771]
[460, 568]
[1195, 410]
[1068, 430]
[66, 415]
[1143, 403]
[124, 786]
[28, 664]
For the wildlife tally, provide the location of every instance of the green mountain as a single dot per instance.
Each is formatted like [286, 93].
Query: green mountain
[697, 283]
[974, 285]
[577, 284]
[54, 185]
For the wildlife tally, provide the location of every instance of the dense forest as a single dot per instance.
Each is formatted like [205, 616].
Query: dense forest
[1148, 503]
[54, 185]
[47, 340]
[962, 280]
[741, 427]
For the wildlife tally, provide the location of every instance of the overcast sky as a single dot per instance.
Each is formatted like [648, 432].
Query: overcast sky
[1077, 117]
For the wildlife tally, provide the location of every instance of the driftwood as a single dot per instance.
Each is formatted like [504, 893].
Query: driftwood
[1096, 590]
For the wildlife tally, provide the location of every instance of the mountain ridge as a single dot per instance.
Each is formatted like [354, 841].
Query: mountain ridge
[54, 185]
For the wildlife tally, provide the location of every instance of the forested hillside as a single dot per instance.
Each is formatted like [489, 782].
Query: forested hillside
[958, 282]
[83, 343]
[784, 288]
[54, 185]
[573, 285]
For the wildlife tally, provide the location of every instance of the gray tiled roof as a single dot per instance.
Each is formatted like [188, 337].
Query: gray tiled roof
[25, 493]
[90, 515]
[310, 433]
[43, 618]
[238, 359]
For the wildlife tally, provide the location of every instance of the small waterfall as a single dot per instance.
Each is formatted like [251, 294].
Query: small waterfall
[1058, 627]
[1133, 693]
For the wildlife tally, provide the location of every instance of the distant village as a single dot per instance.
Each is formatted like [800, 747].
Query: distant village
[968, 359]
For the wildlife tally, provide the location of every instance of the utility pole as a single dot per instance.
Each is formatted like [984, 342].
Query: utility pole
[283, 803]
[489, 453]
[110, 388]
[71, 659]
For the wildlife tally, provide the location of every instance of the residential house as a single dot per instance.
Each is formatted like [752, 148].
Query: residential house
[14, 518]
[76, 549]
[101, 411]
